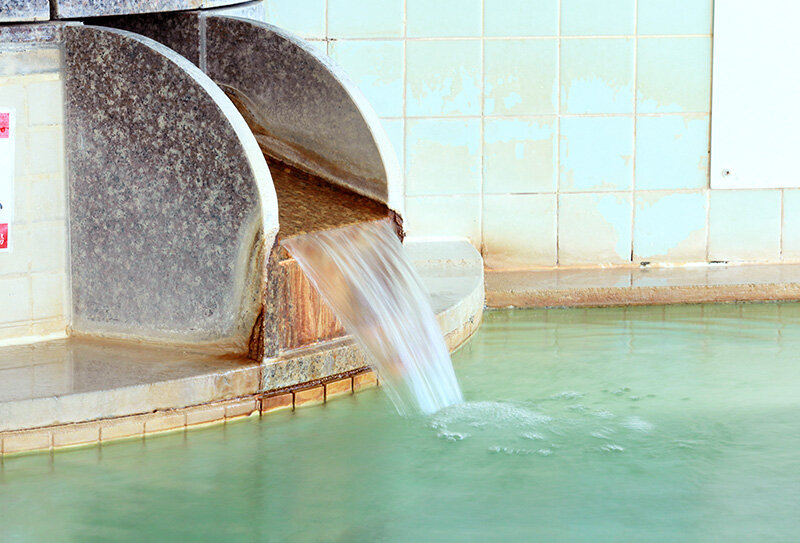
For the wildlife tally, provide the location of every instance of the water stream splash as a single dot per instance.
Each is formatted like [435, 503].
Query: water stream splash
[363, 274]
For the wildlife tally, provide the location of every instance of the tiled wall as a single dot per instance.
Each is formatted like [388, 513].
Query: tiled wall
[552, 132]
[33, 278]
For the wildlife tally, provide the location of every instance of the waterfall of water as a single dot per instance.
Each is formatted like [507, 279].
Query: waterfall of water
[363, 274]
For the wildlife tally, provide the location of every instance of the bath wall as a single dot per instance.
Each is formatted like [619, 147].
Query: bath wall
[552, 132]
[33, 276]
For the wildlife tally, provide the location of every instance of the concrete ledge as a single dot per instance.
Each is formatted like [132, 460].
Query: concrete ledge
[643, 286]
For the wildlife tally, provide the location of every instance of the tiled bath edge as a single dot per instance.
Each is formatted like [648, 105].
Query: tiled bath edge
[171, 420]
[138, 426]
[601, 297]
[621, 287]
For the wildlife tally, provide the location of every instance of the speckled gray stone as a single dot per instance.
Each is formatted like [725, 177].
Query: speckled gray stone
[309, 364]
[171, 203]
[178, 31]
[76, 9]
[302, 107]
[17, 11]
[29, 34]
[256, 11]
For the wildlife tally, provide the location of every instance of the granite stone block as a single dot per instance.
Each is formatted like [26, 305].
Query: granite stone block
[79, 9]
[171, 202]
[17, 11]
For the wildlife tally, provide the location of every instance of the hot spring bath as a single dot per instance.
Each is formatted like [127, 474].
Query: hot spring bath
[674, 423]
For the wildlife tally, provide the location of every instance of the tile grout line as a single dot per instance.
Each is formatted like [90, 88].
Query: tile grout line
[557, 217]
[635, 122]
[550, 116]
[523, 38]
[481, 149]
[404, 106]
[708, 150]
[783, 207]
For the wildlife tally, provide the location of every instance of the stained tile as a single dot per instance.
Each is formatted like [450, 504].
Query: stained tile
[306, 18]
[48, 291]
[594, 228]
[309, 396]
[276, 402]
[376, 66]
[443, 78]
[521, 77]
[441, 18]
[365, 379]
[596, 153]
[444, 216]
[744, 225]
[672, 152]
[520, 155]
[597, 18]
[791, 225]
[241, 408]
[597, 76]
[443, 156]
[45, 103]
[670, 227]
[395, 129]
[519, 230]
[358, 19]
[338, 387]
[674, 75]
[674, 16]
[520, 18]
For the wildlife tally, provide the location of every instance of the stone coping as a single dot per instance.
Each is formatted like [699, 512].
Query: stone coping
[19, 11]
[170, 420]
[643, 286]
[108, 391]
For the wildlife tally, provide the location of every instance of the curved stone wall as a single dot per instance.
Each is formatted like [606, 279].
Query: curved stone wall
[172, 208]
[303, 109]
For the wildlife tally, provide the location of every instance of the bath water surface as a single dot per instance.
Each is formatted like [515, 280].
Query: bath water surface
[646, 424]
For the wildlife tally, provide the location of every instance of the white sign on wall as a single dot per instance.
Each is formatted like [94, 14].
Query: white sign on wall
[7, 123]
[755, 110]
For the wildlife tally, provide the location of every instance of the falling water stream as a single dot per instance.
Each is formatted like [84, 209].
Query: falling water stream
[363, 274]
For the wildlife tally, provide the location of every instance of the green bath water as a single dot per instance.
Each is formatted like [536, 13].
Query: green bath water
[646, 424]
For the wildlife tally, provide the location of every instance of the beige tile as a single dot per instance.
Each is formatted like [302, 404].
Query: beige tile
[13, 96]
[15, 300]
[46, 198]
[76, 434]
[309, 396]
[205, 414]
[45, 101]
[48, 295]
[122, 427]
[45, 151]
[48, 246]
[339, 387]
[28, 440]
[162, 421]
[367, 379]
[277, 402]
[241, 408]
